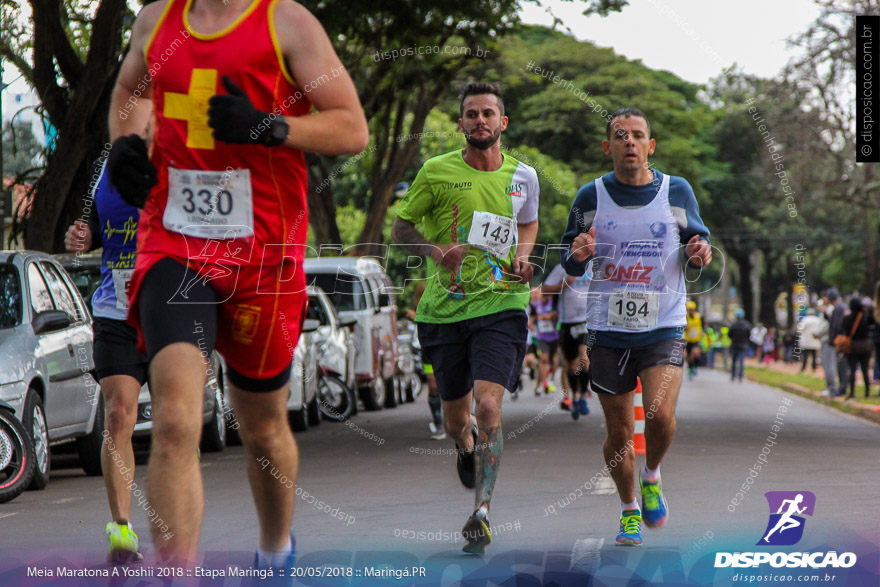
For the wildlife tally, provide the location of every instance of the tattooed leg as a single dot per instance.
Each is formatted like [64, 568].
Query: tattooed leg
[489, 441]
[489, 445]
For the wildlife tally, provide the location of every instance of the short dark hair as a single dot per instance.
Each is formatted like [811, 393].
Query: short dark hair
[626, 113]
[479, 88]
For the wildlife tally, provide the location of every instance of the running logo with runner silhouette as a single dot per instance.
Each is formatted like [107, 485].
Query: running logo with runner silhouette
[786, 525]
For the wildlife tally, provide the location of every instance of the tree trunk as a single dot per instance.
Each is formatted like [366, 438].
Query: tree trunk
[322, 209]
[392, 157]
[81, 123]
[744, 261]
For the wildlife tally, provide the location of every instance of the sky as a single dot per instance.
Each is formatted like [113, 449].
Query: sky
[694, 39]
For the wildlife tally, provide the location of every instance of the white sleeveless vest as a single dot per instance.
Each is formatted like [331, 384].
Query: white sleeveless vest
[638, 284]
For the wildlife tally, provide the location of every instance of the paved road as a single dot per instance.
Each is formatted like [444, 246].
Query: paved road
[382, 489]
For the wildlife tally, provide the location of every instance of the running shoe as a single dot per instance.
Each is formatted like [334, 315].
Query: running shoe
[467, 463]
[436, 433]
[583, 407]
[550, 388]
[123, 548]
[575, 414]
[476, 534]
[565, 404]
[654, 505]
[630, 528]
[284, 564]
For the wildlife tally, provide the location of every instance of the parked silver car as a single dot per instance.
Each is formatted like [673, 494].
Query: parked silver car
[46, 359]
[85, 270]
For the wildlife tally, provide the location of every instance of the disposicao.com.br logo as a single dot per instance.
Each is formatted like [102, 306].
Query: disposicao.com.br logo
[785, 528]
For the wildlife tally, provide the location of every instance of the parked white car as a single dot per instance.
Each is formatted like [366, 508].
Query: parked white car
[336, 345]
[46, 359]
[360, 289]
[302, 405]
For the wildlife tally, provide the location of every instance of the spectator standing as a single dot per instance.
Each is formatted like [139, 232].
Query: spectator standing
[740, 332]
[876, 333]
[835, 327]
[812, 328]
[857, 325]
[788, 346]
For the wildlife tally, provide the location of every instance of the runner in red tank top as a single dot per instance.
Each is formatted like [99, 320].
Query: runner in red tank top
[230, 84]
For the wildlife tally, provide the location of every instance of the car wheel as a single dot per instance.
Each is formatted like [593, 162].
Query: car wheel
[34, 422]
[214, 431]
[89, 446]
[313, 411]
[16, 457]
[335, 398]
[390, 393]
[373, 395]
[299, 420]
[413, 387]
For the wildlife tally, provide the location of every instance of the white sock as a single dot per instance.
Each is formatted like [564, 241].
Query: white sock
[276, 558]
[634, 505]
[650, 474]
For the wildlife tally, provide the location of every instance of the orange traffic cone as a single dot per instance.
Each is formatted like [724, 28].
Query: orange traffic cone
[639, 432]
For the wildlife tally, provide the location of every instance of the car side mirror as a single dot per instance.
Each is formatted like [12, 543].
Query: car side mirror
[347, 322]
[50, 321]
[310, 325]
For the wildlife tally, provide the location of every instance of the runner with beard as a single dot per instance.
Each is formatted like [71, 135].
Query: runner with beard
[479, 209]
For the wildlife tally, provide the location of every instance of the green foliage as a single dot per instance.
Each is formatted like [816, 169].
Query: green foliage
[21, 152]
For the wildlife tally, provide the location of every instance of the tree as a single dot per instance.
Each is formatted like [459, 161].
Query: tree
[404, 56]
[824, 73]
[21, 152]
[68, 50]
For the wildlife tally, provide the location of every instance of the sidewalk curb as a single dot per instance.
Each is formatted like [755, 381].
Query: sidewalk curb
[856, 409]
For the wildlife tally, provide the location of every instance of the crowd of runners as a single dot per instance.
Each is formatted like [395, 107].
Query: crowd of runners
[209, 162]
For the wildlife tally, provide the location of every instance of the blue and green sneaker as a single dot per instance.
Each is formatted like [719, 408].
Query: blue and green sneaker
[123, 548]
[654, 507]
[630, 528]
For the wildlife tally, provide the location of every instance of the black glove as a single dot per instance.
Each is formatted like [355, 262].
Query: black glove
[131, 171]
[235, 119]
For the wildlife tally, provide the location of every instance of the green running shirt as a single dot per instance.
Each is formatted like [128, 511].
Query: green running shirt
[446, 194]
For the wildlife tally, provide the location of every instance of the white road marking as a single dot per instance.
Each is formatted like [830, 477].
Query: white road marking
[7, 515]
[586, 554]
[605, 486]
[65, 500]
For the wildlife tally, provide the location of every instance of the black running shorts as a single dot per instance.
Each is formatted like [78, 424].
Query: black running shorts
[488, 348]
[614, 370]
[116, 352]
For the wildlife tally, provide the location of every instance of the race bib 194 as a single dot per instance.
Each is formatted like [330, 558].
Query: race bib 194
[492, 233]
[633, 310]
[210, 204]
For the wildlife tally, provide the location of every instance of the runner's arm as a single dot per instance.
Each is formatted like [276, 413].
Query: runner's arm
[133, 85]
[339, 127]
[580, 220]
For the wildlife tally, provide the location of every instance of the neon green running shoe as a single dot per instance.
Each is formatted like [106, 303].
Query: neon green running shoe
[476, 533]
[123, 548]
[655, 509]
[630, 528]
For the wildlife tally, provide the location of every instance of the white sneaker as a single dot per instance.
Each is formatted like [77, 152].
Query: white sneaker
[825, 393]
[435, 433]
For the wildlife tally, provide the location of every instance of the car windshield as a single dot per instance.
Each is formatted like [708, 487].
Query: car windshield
[85, 278]
[316, 311]
[346, 294]
[10, 296]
